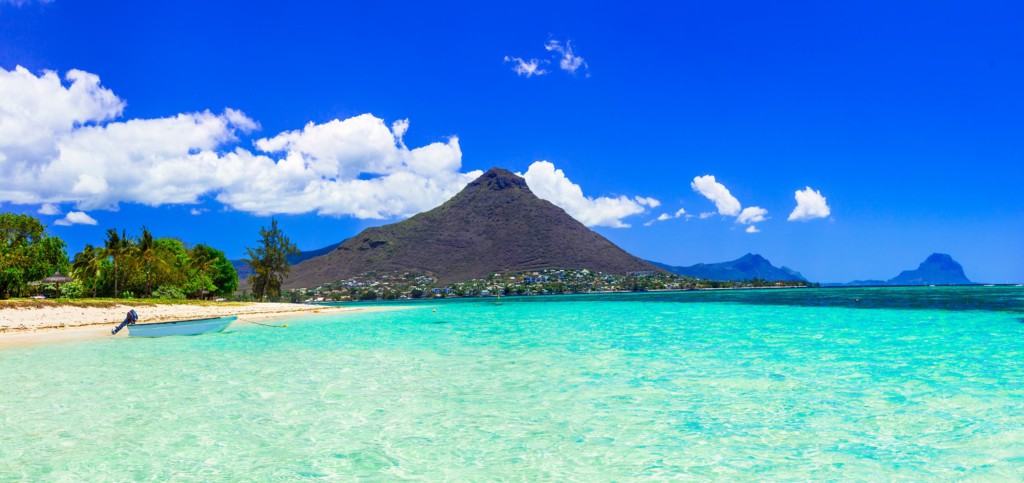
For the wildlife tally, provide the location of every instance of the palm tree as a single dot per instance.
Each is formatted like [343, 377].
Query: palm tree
[116, 247]
[150, 256]
[201, 264]
[89, 264]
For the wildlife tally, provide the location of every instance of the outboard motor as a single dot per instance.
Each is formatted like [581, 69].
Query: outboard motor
[129, 320]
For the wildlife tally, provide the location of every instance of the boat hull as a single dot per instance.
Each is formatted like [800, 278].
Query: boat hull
[181, 327]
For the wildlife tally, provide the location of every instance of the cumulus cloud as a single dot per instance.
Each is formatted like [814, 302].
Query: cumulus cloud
[49, 209]
[810, 204]
[568, 60]
[36, 110]
[197, 211]
[61, 142]
[707, 214]
[725, 202]
[551, 184]
[751, 214]
[524, 67]
[75, 218]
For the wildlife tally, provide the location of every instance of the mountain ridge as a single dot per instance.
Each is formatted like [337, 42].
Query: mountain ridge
[747, 267]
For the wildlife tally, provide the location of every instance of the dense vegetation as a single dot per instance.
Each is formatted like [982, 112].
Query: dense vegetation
[143, 266]
[123, 266]
[27, 253]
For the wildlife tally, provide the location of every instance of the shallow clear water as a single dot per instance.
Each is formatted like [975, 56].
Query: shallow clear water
[793, 384]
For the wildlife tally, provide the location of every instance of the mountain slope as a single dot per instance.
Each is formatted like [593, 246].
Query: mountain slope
[747, 267]
[937, 269]
[494, 224]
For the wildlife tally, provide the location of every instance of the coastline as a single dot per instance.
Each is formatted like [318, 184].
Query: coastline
[37, 325]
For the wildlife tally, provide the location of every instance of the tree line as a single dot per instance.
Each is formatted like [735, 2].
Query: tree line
[121, 266]
[143, 266]
[127, 265]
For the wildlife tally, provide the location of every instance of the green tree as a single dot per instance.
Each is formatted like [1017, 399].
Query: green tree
[150, 257]
[27, 253]
[178, 263]
[88, 266]
[117, 247]
[269, 262]
[217, 267]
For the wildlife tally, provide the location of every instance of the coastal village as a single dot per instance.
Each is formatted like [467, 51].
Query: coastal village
[405, 286]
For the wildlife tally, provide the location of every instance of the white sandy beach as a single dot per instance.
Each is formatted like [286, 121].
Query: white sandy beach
[30, 325]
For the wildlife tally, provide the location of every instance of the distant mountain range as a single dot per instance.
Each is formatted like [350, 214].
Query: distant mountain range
[937, 269]
[495, 224]
[747, 267]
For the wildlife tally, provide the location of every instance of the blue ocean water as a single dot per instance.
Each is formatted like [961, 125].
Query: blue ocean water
[889, 383]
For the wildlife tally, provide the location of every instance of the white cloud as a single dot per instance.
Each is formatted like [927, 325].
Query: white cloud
[647, 201]
[752, 229]
[810, 204]
[60, 143]
[399, 128]
[36, 110]
[75, 218]
[707, 214]
[197, 211]
[528, 68]
[49, 209]
[724, 201]
[666, 217]
[751, 214]
[20, 3]
[568, 60]
[551, 184]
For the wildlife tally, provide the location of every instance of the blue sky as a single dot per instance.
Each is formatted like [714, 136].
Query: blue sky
[905, 117]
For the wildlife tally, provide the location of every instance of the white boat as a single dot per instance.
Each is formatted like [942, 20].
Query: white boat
[181, 327]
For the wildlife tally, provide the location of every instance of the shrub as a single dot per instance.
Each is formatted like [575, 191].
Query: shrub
[169, 292]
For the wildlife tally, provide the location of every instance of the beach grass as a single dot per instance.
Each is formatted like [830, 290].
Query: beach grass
[26, 303]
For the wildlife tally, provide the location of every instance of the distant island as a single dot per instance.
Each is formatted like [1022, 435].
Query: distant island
[748, 267]
[937, 269]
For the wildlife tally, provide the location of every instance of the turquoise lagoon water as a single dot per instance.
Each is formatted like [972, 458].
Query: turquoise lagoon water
[917, 384]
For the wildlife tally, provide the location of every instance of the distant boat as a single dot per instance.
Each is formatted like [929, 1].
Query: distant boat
[181, 327]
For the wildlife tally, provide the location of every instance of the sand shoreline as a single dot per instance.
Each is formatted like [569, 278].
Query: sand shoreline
[37, 325]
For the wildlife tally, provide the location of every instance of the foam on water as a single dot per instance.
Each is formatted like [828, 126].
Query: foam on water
[633, 386]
